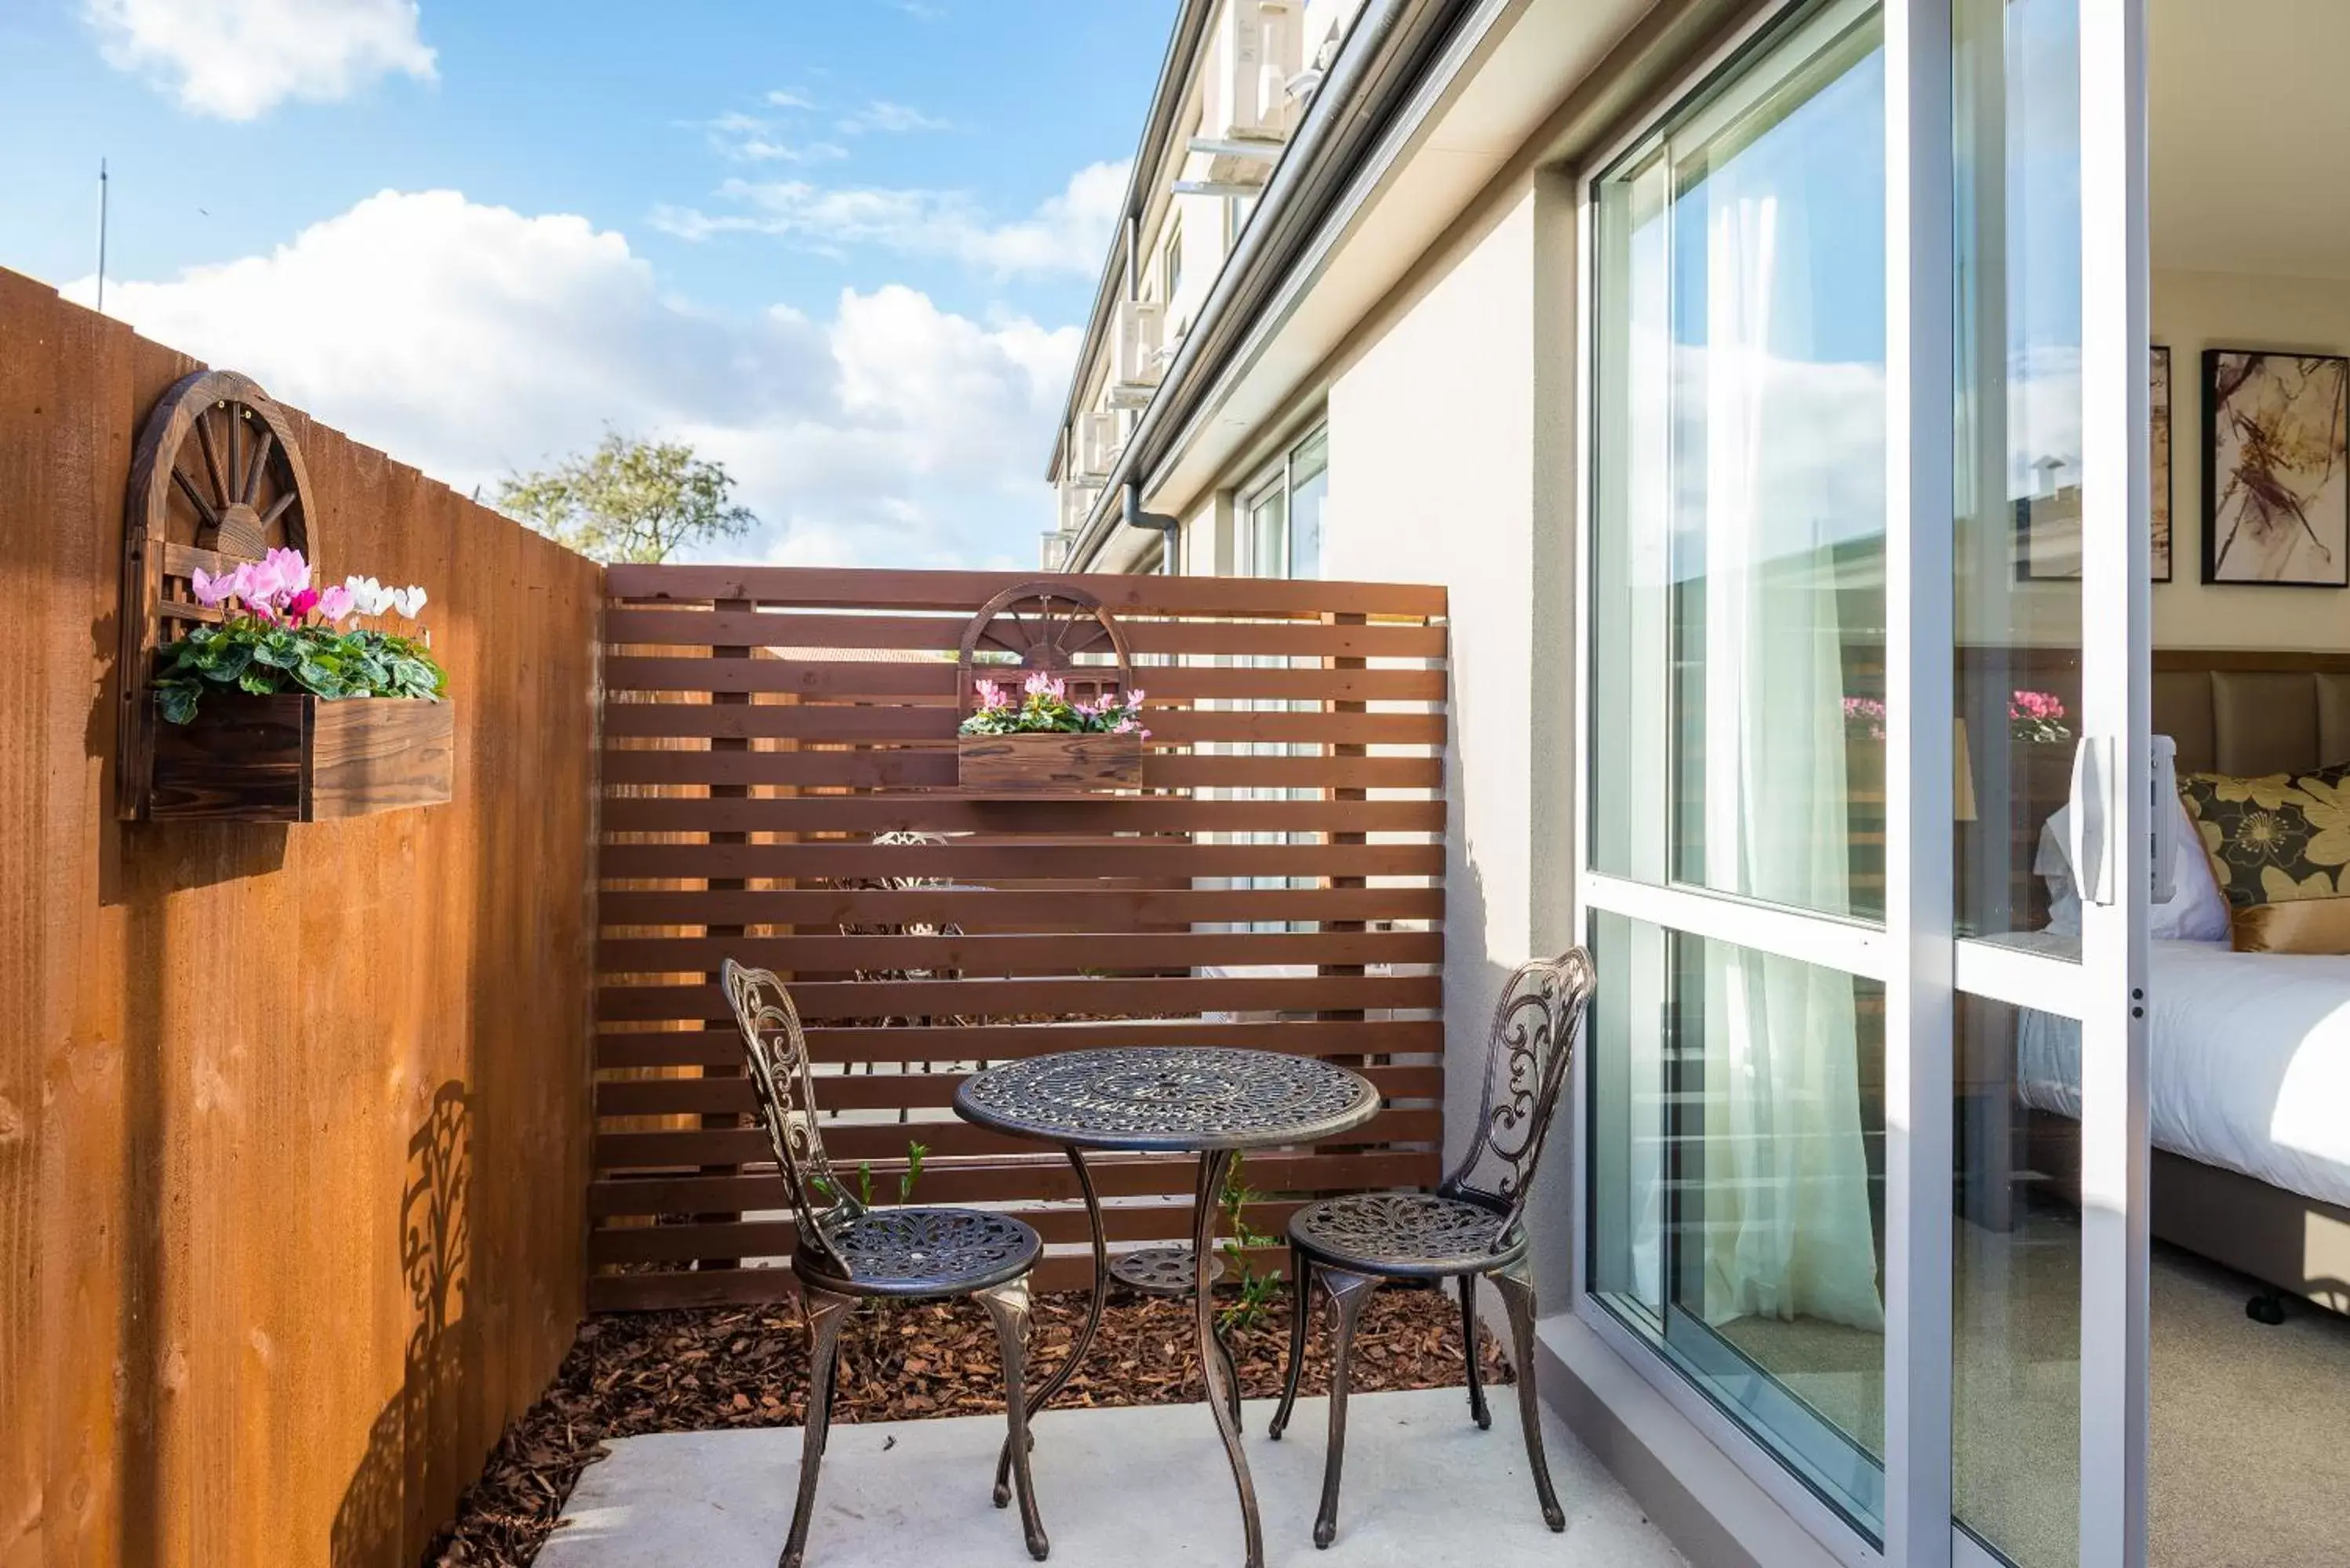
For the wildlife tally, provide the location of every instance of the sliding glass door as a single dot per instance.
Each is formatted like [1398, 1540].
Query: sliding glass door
[1865, 681]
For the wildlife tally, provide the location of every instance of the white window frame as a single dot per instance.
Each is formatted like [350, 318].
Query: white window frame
[1276, 476]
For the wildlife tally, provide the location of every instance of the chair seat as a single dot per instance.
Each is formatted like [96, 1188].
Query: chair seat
[924, 1252]
[1404, 1233]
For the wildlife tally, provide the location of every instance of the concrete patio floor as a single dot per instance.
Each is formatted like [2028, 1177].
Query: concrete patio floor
[1130, 1487]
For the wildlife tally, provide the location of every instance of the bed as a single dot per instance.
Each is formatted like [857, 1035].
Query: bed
[2247, 1054]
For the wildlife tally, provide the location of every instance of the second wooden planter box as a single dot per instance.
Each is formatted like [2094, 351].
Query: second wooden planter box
[292, 757]
[1048, 763]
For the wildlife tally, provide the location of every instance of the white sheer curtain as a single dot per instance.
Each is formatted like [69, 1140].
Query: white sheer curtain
[1787, 1226]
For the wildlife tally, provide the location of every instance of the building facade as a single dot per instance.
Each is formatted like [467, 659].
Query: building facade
[1769, 384]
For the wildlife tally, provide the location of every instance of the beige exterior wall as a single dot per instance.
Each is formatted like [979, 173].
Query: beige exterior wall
[2197, 310]
[1450, 462]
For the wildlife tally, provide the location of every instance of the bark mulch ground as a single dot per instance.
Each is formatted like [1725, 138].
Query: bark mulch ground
[629, 1374]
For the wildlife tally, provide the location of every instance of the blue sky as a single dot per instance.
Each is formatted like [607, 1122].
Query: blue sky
[844, 246]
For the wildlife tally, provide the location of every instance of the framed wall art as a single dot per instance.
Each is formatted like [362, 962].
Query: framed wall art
[2158, 467]
[2276, 499]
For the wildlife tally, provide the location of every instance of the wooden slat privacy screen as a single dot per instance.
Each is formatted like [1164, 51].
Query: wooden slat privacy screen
[1277, 883]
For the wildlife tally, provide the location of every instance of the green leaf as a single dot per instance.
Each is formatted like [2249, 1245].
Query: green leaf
[260, 682]
[227, 664]
[178, 703]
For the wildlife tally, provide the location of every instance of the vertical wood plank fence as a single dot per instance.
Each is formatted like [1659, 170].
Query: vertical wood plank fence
[779, 782]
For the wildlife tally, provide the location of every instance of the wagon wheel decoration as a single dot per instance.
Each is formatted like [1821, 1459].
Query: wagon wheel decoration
[1046, 627]
[217, 478]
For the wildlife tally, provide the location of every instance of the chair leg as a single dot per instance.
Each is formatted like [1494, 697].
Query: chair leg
[1008, 1305]
[1477, 1410]
[1301, 1308]
[1517, 1288]
[826, 1315]
[1349, 1293]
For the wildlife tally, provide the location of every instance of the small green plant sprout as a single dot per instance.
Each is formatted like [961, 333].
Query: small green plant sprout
[914, 1153]
[865, 1183]
[1257, 1288]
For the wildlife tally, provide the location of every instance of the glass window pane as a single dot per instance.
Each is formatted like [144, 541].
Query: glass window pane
[1739, 605]
[1737, 1179]
[2018, 534]
[1309, 493]
[1264, 533]
[2016, 1310]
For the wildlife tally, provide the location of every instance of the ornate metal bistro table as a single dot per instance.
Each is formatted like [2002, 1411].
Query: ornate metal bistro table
[1169, 1098]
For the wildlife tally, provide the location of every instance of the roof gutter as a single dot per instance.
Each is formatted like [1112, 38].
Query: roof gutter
[1386, 53]
[1132, 515]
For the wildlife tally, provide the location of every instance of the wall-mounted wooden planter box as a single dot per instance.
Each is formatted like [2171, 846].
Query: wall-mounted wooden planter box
[298, 758]
[1047, 764]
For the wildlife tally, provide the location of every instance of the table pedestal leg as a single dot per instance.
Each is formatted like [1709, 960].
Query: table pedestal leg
[1083, 1343]
[1215, 1364]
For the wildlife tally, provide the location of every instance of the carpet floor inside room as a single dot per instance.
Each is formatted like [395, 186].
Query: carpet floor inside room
[2249, 1468]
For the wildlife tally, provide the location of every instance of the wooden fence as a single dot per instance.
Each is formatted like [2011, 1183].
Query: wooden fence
[1277, 883]
[293, 1119]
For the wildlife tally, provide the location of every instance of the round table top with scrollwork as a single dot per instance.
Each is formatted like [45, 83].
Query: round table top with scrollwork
[1169, 1098]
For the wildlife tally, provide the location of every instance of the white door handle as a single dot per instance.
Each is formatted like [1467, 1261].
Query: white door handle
[2092, 818]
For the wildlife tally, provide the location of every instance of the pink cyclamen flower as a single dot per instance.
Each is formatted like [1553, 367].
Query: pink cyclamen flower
[1042, 685]
[210, 590]
[260, 584]
[292, 567]
[2036, 705]
[301, 604]
[990, 695]
[336, 603]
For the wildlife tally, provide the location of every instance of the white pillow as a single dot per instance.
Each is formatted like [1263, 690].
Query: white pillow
[2195, 911]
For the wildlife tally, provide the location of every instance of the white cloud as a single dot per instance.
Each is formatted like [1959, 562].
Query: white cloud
[888, 118]
[783, 97]
[895, 433]
[239, 59]
[747, 139]
[1069, 231]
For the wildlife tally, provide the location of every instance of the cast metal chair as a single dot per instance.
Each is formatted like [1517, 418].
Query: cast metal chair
[848, 1253]
[1469, 1229]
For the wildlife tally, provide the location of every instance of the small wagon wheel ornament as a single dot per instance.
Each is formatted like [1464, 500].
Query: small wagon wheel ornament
[1046, 627]
[217, 478]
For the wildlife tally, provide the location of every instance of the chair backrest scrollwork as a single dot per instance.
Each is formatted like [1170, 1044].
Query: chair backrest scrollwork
[775, 1048]
[1536, 1026]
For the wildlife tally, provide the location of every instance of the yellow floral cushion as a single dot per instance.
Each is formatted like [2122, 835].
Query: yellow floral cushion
[2276, 838]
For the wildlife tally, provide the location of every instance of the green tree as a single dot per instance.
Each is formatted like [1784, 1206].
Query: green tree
[629, 500]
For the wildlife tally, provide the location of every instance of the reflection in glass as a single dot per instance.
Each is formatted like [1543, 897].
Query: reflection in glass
[1737, 1179]
[1739, 605]
[2016, 1359]
[2018, 537]
[1309, 493]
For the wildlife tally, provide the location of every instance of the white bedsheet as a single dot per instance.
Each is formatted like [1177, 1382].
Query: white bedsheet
[2249, 1063]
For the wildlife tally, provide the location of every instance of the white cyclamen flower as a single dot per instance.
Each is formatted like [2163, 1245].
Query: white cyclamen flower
[409, 601]
[368, 596]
